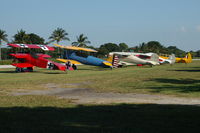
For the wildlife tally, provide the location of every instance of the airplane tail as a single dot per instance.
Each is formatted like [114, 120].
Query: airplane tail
[154, 59]
[113, 59]
[188, 57]
[172, 58]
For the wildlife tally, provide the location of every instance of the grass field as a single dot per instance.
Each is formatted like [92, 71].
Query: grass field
[20, 114]
[180, 79]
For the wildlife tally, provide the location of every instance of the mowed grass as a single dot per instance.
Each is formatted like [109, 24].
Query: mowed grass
[179, 79]
[22, 114]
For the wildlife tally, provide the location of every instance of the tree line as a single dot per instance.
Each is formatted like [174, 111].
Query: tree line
[60, 34]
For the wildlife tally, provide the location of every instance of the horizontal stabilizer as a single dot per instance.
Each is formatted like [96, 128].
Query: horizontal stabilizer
[107, 63]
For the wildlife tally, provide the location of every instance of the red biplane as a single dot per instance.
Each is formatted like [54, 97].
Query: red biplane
[27, 60]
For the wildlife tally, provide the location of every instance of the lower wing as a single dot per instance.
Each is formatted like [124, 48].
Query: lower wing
[22, 65]
[72, 61]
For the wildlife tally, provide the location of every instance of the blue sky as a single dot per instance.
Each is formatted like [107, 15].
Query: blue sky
[171, 22]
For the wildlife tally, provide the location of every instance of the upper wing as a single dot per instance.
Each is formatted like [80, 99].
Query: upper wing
[35, 46]
[76, 48]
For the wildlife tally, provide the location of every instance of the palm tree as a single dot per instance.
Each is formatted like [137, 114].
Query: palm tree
[58, 35]
[21, 37]
[81, 41]
[3, 37]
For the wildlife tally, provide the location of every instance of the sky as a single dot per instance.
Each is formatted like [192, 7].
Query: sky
[171, 22]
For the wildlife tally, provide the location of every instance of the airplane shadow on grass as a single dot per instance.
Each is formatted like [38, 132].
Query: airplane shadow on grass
[120, 118]
[179, 85]
[94, 69]
[191, 69]
[187, 70]
[8, 71]
[31, 72]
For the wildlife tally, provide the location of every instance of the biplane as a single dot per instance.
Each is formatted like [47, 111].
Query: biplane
[186, 59]
[26, 60]
[130, 58]
[79, 55]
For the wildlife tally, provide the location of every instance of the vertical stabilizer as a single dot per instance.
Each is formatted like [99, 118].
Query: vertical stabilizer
[172, 58]
[188, 58]
[113, 59]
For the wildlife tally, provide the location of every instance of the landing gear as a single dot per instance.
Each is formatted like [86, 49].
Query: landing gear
[28, 69]
[18, 69]
[74, 66]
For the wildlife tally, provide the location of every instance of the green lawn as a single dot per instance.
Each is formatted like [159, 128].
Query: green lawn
[180, 79]
[48, 114]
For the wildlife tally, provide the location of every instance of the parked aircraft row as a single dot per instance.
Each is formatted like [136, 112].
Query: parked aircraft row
[77, 55]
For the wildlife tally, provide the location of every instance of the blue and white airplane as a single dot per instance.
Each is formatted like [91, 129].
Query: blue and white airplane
[79, 55]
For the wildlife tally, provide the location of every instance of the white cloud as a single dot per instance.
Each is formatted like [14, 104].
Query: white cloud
[198, 28]
[183, 29]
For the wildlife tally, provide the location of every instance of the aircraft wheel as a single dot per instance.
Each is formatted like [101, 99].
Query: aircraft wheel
[74, 66]
[30, 69]
[19, 69]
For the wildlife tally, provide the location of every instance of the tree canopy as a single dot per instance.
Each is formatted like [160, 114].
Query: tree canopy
[123, 46]
[58, 35]
[82, 41]
[35, 39]
[3, 37]
[22, 37]
[156, 47]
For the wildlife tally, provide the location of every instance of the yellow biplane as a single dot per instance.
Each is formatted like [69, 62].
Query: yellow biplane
[186, 59]
[79, 55]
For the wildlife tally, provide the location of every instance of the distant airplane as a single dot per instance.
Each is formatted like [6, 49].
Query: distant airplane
[167, 60]
[186, 59]
[130, 58]
[26, 61]
[79, 55]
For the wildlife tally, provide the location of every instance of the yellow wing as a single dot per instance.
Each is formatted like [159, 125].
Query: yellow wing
[178, 60]
[72, 61]
[76, 48]
[164, 57]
